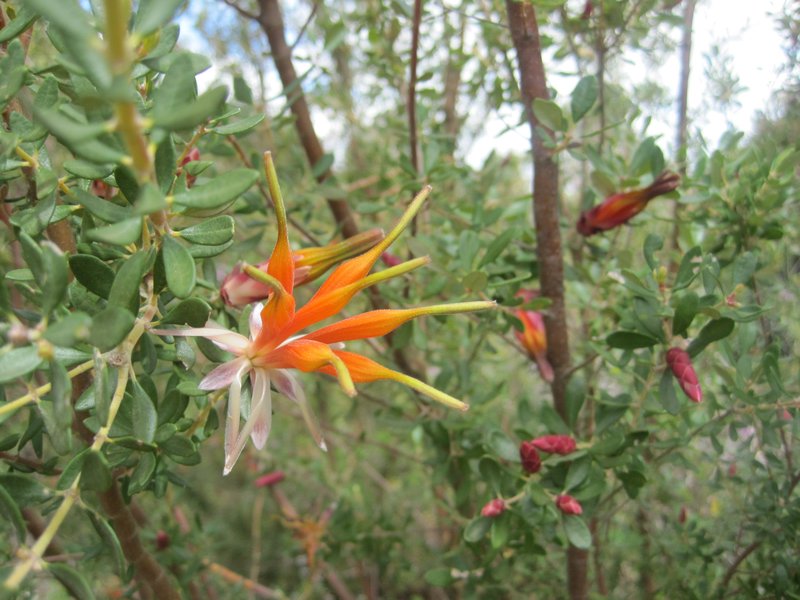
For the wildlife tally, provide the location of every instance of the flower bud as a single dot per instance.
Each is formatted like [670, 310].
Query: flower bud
[101, 189]
[192, 155]
[622, 207]
[529, 455]
[239, 289]
[270, 479]
[568, 505]
[681, 365]
[162, 540]
[390, 260]
[682, 515]
[494, 508]
[533, 336]
[555, 444]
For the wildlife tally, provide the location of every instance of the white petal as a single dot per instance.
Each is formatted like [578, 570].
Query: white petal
[288, 385]
[232, 420]
[261, 414]
[255, 320]
[224, 338]
[223, 375]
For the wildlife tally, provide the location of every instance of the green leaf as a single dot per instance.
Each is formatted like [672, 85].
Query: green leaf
[187, 116]
[211, 232]
[92, 273]
[71, 471]
[322, 165]
[743, 268]
[68, 330]
[153, 14]
[439, 577]
[500, 532]
[110, 326]
[142, 474]
[666, 393]
[687, 270]
[95, 474]
[502, 446]
[149, 200]
[11, 512]
[102, 209]
[583, 97]
[119, 234]
[549, 114]
[111, 541]
[61, 393]
[32, 253]
[22, 20]
[144, 414]
[629, 340]
[127, 183]
[242, 91]
[685, 312]
[217, 194]
[18, 362]
[477, 529]
[497, 245]
[125, 290]
[578, 471]
[577, 532]
[192, 311]
[179, 267]
[652, 244]
[246, 125]
[714, 330]
[87, 170]
[65, 15]
[72, 580]
[166, 158]
[54, 286]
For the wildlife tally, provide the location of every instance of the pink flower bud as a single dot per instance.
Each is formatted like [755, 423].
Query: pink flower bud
[681, 365]
[555, 444]
[531, 461]
[239, 289]
[270, 479]
[162, 540]
[568, 505]
[101, 189]
[494, 508]
[390, 260]
[622, 207]
[193, 154]
[785, 415]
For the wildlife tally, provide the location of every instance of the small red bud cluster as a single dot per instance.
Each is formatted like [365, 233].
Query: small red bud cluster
[568, 505]
[494, 508]
[555, 444]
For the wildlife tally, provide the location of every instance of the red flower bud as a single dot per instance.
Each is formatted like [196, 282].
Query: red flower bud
[681, 366]
[193, 154]
[622, 207]
[270, 479]
[531, 461]
[587, 10]
[533, 336]
[682, 515]
[390, 260]
[162, 540]
[494, 508]
[101, 189]
[555, 444]
[568, 505]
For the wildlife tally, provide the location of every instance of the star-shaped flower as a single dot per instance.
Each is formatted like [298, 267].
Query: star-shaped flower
[276, 345]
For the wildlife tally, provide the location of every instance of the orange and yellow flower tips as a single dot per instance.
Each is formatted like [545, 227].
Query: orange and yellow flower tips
[621, 208]
[276, 346]
[533, 336]
[239, 289]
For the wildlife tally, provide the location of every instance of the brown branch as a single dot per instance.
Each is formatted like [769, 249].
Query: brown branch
[271, 22]
[411, 103]
[148, 571]
[525, 35]
[243, 12]
[735, 565]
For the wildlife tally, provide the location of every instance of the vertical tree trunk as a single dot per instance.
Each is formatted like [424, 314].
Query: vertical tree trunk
[525, 35]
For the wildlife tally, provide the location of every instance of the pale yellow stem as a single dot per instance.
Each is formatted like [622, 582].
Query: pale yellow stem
[41, 390]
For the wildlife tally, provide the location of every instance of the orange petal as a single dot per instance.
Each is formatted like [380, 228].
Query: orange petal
[308, 355]
[281, 261]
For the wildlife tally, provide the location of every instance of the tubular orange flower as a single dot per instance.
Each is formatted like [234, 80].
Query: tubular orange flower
[239, 289]
[621, 208]
[533, 336]
[276, 347]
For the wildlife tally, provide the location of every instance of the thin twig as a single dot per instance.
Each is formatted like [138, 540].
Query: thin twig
[245, 13]
[302, 31]
[411, 102]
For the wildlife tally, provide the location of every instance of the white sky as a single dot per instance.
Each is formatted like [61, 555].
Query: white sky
[744, 29]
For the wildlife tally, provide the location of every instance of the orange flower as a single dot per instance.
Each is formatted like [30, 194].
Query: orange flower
[621, 208]
[276, 347]
[533, 336]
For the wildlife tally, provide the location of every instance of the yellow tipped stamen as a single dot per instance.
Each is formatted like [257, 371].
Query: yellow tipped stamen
[275, 192]
[454, 308]
[405, 220]
[265, 278]
[429, 391]
[343, 375]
